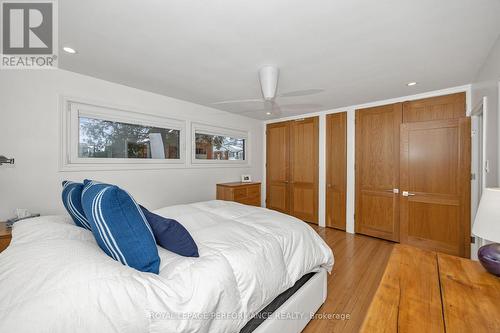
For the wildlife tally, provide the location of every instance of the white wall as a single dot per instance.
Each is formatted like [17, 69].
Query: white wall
[351, 146]
[487, 84]
[30, 133]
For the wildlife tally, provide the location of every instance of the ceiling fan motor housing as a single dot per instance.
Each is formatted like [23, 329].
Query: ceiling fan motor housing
[268, 76]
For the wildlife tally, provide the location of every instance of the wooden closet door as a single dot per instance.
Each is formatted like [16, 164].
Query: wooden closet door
[435, 108]
[377, 171]
[277, 170]
[435, 178]
[304, 154]
[336, 170]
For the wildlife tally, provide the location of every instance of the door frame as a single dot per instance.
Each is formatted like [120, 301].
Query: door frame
[479, 163]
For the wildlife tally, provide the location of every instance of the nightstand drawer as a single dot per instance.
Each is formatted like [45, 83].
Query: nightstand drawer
[251, 201]
[253, 191]
[245, 193]
[239, 193]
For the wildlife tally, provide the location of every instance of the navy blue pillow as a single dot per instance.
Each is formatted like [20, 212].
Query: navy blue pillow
[171, 235]
[72, 201]
[120, 227]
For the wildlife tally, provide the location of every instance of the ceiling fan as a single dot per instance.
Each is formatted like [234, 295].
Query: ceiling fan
[268, 77]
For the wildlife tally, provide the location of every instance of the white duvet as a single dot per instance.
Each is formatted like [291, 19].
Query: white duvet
[54, 277]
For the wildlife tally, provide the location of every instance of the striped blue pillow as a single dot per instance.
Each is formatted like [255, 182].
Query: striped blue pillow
[120, 227]
[72, 201]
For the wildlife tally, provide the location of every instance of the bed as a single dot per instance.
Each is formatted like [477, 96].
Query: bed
[54, 277]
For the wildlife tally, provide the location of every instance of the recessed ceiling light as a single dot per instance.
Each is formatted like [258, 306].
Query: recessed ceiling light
[409, 84]
[68, 49]
[268, 113]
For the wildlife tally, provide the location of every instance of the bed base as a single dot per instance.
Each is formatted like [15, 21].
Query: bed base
[293, 315]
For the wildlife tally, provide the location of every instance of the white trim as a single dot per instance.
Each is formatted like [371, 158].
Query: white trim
[71, 108]
[222, 131]
[264, 166]
[351, 137]
[478, 113]
[482, 109]
[350, 174]
[322, 172]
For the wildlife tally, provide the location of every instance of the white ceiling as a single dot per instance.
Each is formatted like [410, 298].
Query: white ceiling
[206, 51]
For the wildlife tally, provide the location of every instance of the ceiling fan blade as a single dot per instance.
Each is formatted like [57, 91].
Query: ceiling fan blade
[301, 107]
[305, 92]
[260, 114]
[275, 109]
[270, 108]
[238, 101]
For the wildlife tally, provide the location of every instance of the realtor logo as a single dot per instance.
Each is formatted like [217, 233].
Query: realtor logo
[29, 35]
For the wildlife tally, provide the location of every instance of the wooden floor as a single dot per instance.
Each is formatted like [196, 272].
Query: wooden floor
[359, 265]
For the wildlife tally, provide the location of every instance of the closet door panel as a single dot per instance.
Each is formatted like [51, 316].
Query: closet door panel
[435, 173]
[336, 170]
[435, 108]
[378, 214]
[304, 169]
[377, 171]
[277, 185]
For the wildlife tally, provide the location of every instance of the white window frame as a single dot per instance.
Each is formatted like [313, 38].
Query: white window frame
[215, 130]
[72, 109]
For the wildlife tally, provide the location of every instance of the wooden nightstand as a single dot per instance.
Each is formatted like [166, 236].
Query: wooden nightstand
[5, 236]
[245, 193]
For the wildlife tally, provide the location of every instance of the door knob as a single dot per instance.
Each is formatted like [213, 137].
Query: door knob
[408, 194]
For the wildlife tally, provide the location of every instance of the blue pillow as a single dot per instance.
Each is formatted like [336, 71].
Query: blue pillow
[87, 183]
[171, 235]
[72, 201]
[120, 227]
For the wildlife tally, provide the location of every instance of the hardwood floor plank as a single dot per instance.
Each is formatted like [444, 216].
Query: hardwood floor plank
[360, 262]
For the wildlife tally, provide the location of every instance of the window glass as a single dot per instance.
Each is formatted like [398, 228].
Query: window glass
[219, 147]
[108, 139]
